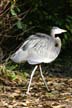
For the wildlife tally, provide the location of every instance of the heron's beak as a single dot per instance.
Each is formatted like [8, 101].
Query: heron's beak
[64, 30]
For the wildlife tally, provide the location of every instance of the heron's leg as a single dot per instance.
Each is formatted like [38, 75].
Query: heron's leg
[43, 77]
[31, 78]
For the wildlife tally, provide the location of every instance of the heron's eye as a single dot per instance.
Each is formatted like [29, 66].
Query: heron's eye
[56, 44]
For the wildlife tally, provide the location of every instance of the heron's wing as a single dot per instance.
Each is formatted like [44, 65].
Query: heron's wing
[33, 40]
[40, 48]
[41, 52]
[37, 47]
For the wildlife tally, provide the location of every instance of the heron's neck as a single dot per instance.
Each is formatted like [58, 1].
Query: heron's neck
[53, 34]
[58, 41]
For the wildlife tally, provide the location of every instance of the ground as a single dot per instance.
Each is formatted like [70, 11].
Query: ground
[13, 86]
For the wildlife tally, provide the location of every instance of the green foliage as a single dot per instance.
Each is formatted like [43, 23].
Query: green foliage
[19, 24]
[68, 26]
[11, 66]
[7, 73]
[69, 23]
[11, 75]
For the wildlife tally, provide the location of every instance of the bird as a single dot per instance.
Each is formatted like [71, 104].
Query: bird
[37, 49]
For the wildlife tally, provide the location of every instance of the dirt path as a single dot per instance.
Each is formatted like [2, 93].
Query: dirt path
[60, 95]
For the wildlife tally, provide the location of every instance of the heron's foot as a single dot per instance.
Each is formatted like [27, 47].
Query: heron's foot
[28, 93]
[48, 90]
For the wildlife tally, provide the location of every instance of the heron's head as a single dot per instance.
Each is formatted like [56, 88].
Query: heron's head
[57, 30]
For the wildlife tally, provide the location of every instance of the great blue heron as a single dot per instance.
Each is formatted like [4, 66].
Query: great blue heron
[39, 48]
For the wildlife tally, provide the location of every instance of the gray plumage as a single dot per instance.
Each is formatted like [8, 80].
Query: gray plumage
[39, 48]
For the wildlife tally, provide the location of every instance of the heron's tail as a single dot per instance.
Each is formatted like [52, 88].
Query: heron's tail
[19, 56]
